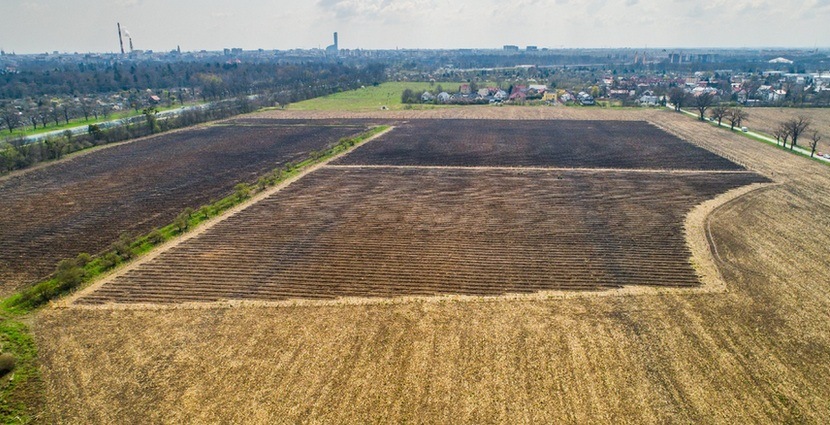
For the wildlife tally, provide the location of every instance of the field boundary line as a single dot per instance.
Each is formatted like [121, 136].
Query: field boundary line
[204, 227]
[499, 168]
[695, 230]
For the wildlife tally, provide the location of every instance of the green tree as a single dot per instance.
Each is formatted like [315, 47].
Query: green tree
[408, 96]
[150, 119]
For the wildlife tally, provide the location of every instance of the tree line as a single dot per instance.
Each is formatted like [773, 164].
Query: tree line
[18, 153]
[788, 130]
[36, 97]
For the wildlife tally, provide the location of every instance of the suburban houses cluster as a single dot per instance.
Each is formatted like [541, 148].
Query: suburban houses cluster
[470, 94]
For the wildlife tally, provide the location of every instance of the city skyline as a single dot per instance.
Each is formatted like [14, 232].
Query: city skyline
[37, 26]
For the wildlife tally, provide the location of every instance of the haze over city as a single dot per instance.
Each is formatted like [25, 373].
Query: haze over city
[37, 26]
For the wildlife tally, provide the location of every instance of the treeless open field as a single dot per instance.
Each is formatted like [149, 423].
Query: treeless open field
[83, 203]
[536, 143]
[381, 232]
[767, 120]
[756, 353]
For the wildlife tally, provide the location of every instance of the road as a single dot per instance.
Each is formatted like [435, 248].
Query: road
[756, 135]
[84, 128]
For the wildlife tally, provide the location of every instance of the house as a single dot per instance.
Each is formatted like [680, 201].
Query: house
[518, 96]
[648, 99]
[549, 97]
[427, 97]
[155, 100]
[540, 88]
[465, 89]
[619, 93]
[585, 99]
[444, 97]
[500, 95]
[484, 92]
[518, 89]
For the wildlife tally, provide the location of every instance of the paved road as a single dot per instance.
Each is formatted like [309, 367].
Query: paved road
[755, 134]
[82, 129]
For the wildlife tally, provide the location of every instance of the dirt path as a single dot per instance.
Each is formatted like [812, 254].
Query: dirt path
[496, 168]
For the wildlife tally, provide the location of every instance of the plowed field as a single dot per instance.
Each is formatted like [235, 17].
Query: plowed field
[549, 143]
[754, 353]
[82, 204]
[395, 232]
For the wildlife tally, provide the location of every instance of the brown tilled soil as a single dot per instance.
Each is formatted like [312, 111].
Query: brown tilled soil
[380, 232]
[84, 203]
[756, 353]
[538, 143]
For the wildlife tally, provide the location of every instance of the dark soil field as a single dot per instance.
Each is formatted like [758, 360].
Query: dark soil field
[84, 203]
[550, 143]
[382, 232]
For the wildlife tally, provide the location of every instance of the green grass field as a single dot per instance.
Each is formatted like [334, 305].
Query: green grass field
[372, 97]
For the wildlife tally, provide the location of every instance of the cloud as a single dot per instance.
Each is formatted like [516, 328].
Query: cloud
[388, 10]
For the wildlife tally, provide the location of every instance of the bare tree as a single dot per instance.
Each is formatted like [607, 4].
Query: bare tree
[11, 118]
[65, 109]
[782, 132]
[814, 143]
[736, 117]
[795, 127]
[87, 106]
[719, 113]
[55, 114]
[677, 96]
[702, 102]
[779, 134]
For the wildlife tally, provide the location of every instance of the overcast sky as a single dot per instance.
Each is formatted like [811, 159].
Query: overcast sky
[32, 26]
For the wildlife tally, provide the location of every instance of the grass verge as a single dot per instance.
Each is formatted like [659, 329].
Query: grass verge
[27, 131]
[756, 138]
[20, 389]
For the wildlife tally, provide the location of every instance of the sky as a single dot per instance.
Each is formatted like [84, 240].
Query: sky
[36, 26]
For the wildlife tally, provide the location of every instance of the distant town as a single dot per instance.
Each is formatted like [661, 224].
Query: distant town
[44, 90]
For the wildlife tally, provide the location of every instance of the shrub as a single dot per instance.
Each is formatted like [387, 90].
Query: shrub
[243, 190]
[155, 237]
[122, 247]
[83, 259]
[109, 259]
[7, 363]
[69, 274]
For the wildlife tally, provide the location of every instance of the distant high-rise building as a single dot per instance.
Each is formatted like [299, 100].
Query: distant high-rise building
[511, 48]
[334, 48]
